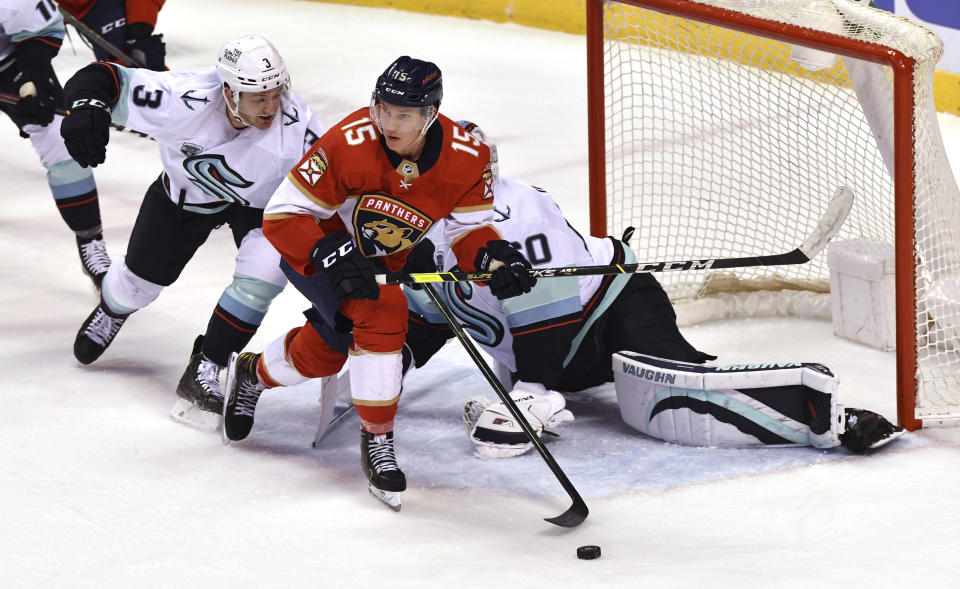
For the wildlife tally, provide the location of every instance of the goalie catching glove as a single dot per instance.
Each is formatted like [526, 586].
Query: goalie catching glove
[495, 432]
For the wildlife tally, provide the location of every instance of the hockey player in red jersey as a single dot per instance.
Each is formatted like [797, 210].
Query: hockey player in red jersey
[128, 24]
[354, 206]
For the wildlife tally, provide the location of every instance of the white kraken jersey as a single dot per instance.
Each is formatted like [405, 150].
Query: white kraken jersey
[529, 218]
[209, 164]
[23, 19]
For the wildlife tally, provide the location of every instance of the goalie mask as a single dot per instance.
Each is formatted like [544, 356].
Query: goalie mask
[409, 82]
[251, 64]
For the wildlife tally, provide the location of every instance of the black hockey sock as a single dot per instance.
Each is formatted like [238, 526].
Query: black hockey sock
[226, 334]
[81, 212]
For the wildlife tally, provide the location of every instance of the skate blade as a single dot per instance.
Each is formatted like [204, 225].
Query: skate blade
[888, 439]
[190, 415]
[390, 498]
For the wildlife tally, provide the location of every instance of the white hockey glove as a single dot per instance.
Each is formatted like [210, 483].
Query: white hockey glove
[497, 434]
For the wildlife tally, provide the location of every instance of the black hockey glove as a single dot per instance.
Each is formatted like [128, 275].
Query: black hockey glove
[39, 95]
[146, 48]
[86, 131]
[511, 271]
[420, 259]
[350, 273]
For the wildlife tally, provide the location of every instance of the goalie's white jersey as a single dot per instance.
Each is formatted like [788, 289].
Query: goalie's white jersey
[208, 163]
[529, 218]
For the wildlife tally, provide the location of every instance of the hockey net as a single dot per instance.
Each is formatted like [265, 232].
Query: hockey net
[722, 128]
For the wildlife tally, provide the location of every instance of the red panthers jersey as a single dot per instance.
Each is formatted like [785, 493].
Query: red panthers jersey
[350, 180]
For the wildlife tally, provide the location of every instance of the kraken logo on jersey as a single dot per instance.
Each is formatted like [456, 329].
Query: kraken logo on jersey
[384, 225]
[313, 168]
[212, 175]
[482, 327]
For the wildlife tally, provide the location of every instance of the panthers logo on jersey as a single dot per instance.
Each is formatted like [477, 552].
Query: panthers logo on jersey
[384, 225]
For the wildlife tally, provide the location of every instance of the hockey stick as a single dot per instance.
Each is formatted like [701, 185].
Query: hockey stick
[829, 225]
[11, 99]
[97, 39]
[577, 512]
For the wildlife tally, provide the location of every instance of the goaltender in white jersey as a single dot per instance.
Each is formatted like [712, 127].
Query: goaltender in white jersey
[228, 136]
[567, 334]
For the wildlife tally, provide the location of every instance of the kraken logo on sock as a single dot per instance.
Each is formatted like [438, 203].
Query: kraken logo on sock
[211, 174]
[384, 225]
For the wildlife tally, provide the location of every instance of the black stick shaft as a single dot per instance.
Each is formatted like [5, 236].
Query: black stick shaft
[98, 39]
[577, 512]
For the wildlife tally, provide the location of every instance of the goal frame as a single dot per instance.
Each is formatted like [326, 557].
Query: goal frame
[902, 67]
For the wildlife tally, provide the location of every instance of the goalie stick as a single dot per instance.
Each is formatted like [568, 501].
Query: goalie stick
[11, 99]
[578, 511]
[829, 225]
[95, 37]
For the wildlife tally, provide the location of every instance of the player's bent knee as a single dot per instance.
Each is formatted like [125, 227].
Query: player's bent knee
[125, 292]
[252, 292]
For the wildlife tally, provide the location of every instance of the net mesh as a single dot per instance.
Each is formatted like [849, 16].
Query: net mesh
[724, 144]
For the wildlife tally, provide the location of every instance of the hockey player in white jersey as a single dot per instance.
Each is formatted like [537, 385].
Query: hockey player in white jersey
[562, 335]
[30, 37]
[228, 135]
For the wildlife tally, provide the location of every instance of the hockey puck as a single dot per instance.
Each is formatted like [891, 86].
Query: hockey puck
[589, 552]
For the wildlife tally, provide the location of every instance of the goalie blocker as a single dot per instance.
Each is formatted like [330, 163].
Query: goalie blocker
[776, 404]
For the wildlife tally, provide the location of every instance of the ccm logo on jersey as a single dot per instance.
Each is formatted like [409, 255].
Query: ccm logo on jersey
[313, 168]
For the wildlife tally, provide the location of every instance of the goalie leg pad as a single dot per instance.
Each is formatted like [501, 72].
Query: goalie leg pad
[496, 434]
[774, 404]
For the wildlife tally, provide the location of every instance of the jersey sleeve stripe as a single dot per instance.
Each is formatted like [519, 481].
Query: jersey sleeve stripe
[275, 216]
[296, 182]
[484, 207]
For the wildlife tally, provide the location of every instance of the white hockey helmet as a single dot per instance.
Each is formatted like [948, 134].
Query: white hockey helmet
[251, 64]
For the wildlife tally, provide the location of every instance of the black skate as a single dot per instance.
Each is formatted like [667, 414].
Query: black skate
[96, 333]
[386, 480]
[93, 258]
[199, 396]
[242, 390]
[867, 430]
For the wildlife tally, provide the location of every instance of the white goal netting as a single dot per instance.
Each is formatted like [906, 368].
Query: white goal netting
[720, 143]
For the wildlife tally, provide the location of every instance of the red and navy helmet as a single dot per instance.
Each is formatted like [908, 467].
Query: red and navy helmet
[410, 82]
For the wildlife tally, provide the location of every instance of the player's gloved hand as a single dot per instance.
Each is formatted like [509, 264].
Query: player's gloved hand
[86, 131]
[351, 275]
[511, 271]
[144, 47]
[420, 259]
[39, 94]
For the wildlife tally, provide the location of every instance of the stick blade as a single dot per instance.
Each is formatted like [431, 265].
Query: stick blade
[572, 517]
[830, 223]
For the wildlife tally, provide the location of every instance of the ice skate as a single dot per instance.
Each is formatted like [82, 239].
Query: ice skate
[867, 430]
[96, 333]
[199, 396]
[386, 480]
[94, 258]
[241, 391]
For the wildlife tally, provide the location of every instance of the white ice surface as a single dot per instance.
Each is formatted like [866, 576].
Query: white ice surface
[100, 489]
